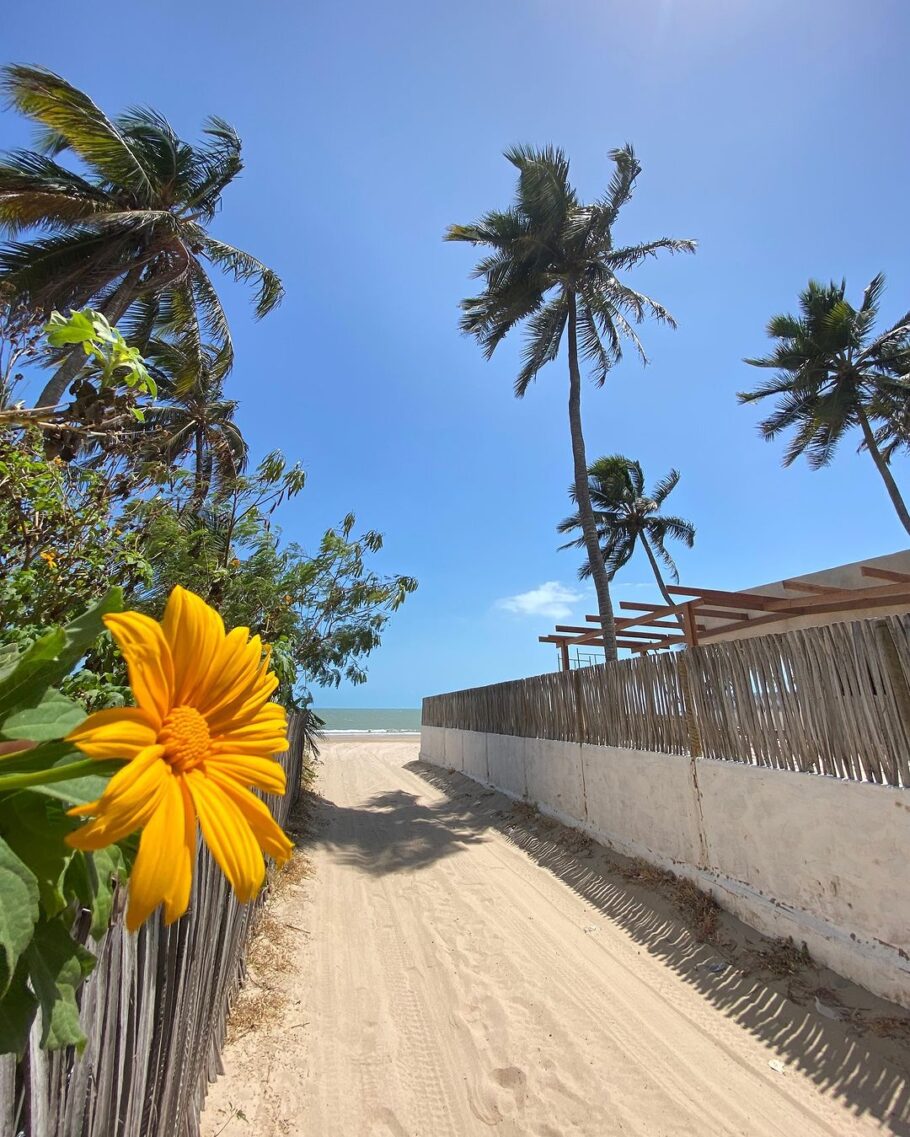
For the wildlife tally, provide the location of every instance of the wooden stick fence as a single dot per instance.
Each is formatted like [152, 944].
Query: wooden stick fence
[828, 700]
[155, 1011]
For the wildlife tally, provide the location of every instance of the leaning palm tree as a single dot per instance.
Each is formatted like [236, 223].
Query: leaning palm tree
[129, 224]
[833, 375]
[627, 516]
[553, 267]
[196, 420]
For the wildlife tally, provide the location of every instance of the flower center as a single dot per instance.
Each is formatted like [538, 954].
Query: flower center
[185, 737]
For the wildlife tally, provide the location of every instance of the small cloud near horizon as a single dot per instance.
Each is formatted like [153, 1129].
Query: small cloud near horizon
[551, 599]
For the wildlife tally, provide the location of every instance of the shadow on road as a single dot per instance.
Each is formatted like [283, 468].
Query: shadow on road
[862, 1058]
[398, 832]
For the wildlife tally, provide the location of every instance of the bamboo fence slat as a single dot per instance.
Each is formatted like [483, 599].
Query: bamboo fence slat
[155, 1012]
[831, 700]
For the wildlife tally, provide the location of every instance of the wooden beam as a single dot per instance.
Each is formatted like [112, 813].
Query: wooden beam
[807, 586]
[638, 606]
[588, 632]
[885, 574]
[644, 635]
[652, 622]
[804, 605]
[722, 614]
[832, 607]
[726, 599]
[654, 645]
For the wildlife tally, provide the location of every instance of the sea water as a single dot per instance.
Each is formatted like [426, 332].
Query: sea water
[366, 720]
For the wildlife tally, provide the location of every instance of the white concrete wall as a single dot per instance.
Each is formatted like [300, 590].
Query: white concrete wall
[818, 859]
[643, 804]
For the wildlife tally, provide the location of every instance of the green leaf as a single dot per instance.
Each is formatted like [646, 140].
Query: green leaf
[105, 867]
[77, 328]
[18, 911]
[34, 826]
[9, 655]
[78, 791]
[53, 717]
[56, 967]
[54, 655]
[17, 1012]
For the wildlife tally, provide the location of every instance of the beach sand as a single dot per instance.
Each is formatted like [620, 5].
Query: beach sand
[440, 963]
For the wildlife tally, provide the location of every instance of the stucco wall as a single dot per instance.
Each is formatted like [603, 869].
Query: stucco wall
[818, 859]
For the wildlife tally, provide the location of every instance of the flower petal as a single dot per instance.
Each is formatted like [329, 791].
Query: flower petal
[227, 833]
[265, 734]
[194, 632]
[120, 732]
[128, 802]
[148, 660]
[248, 770]
[272, 839]
[163, 869]
[247, 704]
[234, 672]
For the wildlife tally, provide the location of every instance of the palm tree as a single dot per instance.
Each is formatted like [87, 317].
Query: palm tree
[196, 420]
[553, 267]
[130, 225]
[625, 516]
[833, 375]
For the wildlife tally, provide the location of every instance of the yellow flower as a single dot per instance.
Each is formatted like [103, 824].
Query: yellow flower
[50, 557]
[203, 733]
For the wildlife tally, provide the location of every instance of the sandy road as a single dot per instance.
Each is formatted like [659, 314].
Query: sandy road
[451, 982]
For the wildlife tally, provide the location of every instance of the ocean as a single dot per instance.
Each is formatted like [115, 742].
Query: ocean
[367, 720]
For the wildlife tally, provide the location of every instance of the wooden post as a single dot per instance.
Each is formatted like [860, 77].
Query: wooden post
[689, 624]
[564, 655]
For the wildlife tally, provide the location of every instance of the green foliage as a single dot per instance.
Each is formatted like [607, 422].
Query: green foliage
[60, 544]
[549, 247]
[833, 375]
[831, 371]
[125, 227]
[44, 882]
[322, 612]
[626, 515]
[113, 361]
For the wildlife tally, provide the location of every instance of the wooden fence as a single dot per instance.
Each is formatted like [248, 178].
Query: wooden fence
[155, 1011]
[828, 700]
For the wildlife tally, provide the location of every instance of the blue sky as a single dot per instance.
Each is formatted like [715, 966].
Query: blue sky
[772, 132]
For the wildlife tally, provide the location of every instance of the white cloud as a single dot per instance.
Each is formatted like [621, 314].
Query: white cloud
[551, 600]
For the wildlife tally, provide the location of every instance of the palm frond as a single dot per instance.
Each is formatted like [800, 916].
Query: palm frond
[74, 122]
[247, 269]
[37, 192]
[632, 255]
[665, 487]
[542, 339]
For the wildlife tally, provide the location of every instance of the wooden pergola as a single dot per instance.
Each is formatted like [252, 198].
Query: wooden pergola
[704, 614]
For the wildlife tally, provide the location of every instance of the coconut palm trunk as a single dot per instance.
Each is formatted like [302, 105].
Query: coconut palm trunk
[658, 576]
[884, 469]
[585, 511]
[200, 480]
[655, 568]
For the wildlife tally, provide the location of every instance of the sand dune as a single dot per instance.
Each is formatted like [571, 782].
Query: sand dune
[447, 970]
